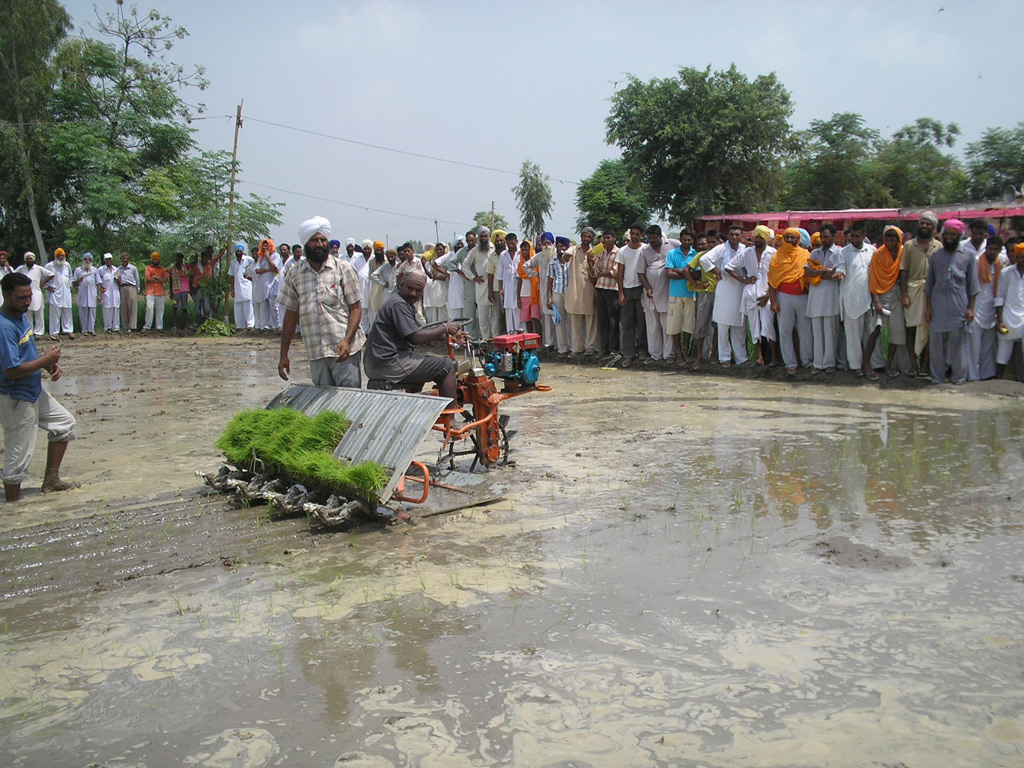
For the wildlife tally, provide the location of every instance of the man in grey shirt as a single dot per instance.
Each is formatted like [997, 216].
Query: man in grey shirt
[950, 291]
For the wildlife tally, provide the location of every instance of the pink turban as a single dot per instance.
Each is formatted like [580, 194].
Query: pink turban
[954, 225]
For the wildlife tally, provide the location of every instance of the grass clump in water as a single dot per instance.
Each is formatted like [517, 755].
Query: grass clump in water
[299, 448]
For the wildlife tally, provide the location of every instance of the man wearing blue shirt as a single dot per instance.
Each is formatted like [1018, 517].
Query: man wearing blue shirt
[24, 405]
[682, 302]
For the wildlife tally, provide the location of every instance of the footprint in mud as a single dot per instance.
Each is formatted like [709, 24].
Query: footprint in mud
[839, 550]
[237, 748]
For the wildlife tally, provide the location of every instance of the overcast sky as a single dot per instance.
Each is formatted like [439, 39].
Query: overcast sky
[494, 83]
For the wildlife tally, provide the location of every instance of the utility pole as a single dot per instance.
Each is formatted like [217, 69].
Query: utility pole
[437, 232]
[492, 215]
[234, 171]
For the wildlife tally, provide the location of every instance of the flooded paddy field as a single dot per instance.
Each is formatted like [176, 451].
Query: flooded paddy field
[685, 570]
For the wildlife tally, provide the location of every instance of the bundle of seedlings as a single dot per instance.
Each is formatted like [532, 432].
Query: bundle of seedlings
[294, 448]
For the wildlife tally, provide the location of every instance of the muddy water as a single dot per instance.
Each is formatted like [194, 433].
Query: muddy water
[684, 571]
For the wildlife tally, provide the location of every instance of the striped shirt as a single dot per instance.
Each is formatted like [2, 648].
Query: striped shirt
[559, 273]
[605, 262]
[322, 300]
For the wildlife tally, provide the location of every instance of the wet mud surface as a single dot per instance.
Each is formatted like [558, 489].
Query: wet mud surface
[685, 570]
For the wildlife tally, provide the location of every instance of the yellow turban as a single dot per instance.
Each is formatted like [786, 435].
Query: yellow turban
[497, 232]
[378, 245]
[154, 256]
[59, 252]
[816, 240]
[762, 231]
[1018, 249]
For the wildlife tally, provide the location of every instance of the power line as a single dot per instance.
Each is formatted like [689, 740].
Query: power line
[392, 149]
[366, 208]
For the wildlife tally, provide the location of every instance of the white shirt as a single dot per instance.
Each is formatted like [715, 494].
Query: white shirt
[87, 288]
[266, 284]
[854, 294]
[629, 257]
[729, 291]
[823, 299]
[111, 294]
[985, 301]
[60, 286]
[241, 271]
[1011, 299]
[456, 295]
[36, 275]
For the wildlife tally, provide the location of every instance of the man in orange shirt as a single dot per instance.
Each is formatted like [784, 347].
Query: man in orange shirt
[156, 293]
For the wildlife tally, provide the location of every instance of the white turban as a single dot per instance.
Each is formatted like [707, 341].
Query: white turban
[350, 241]
[107, 256]
[311, 227]
[367, 244]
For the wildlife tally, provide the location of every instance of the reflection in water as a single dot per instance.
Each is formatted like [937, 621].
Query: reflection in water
[685, 572]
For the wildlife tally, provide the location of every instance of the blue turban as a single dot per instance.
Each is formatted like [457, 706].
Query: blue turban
[239, 245]
[335, 244]
[547, 236]
[805, 238]
[563, 240]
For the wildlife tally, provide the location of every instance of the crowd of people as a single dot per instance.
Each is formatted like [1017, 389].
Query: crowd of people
[946, 307]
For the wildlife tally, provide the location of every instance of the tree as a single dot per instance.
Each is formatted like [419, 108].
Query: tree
[703, 142]
[915, 171]
[203, 202]
[29, 34]
[834, 166]
[996, 161]
[533, 198]
[609, 199]
[483, 219]
[123, 145]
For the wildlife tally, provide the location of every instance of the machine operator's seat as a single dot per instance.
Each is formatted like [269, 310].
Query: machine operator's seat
[390, 386]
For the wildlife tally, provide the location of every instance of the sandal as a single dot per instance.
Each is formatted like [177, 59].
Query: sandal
[791, 370]
[893, 372]
[870, 375]
[626, 362]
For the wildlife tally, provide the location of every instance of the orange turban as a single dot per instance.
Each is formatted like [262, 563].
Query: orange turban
[885, 265]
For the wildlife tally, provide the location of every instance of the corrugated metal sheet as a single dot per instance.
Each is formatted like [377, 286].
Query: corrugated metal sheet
[387, 427]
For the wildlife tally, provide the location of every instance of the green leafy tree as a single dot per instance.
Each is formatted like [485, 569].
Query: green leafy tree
[533, 198]
[483, 219]
[996, 161]
[703, 142]
[835, 166]
[609, 199]
[203, 203]
[124, 143]
[915, 170]
[30, 31]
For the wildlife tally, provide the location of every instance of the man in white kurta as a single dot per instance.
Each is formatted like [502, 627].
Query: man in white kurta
[40, 277]
[266, 282]
[85, 284]
[855, 299]
[823, 301]
[109, 294]
[60, 294]
[476, 266]
[655, 280]
[753, 262]
[980, 344]
[728, 298]
[1009, 304]
[241, 273]
[508, 268]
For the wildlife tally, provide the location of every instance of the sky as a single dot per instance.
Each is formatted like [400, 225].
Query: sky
[491, 84]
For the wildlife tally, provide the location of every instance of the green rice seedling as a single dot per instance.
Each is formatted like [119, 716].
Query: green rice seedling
[288, 443]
